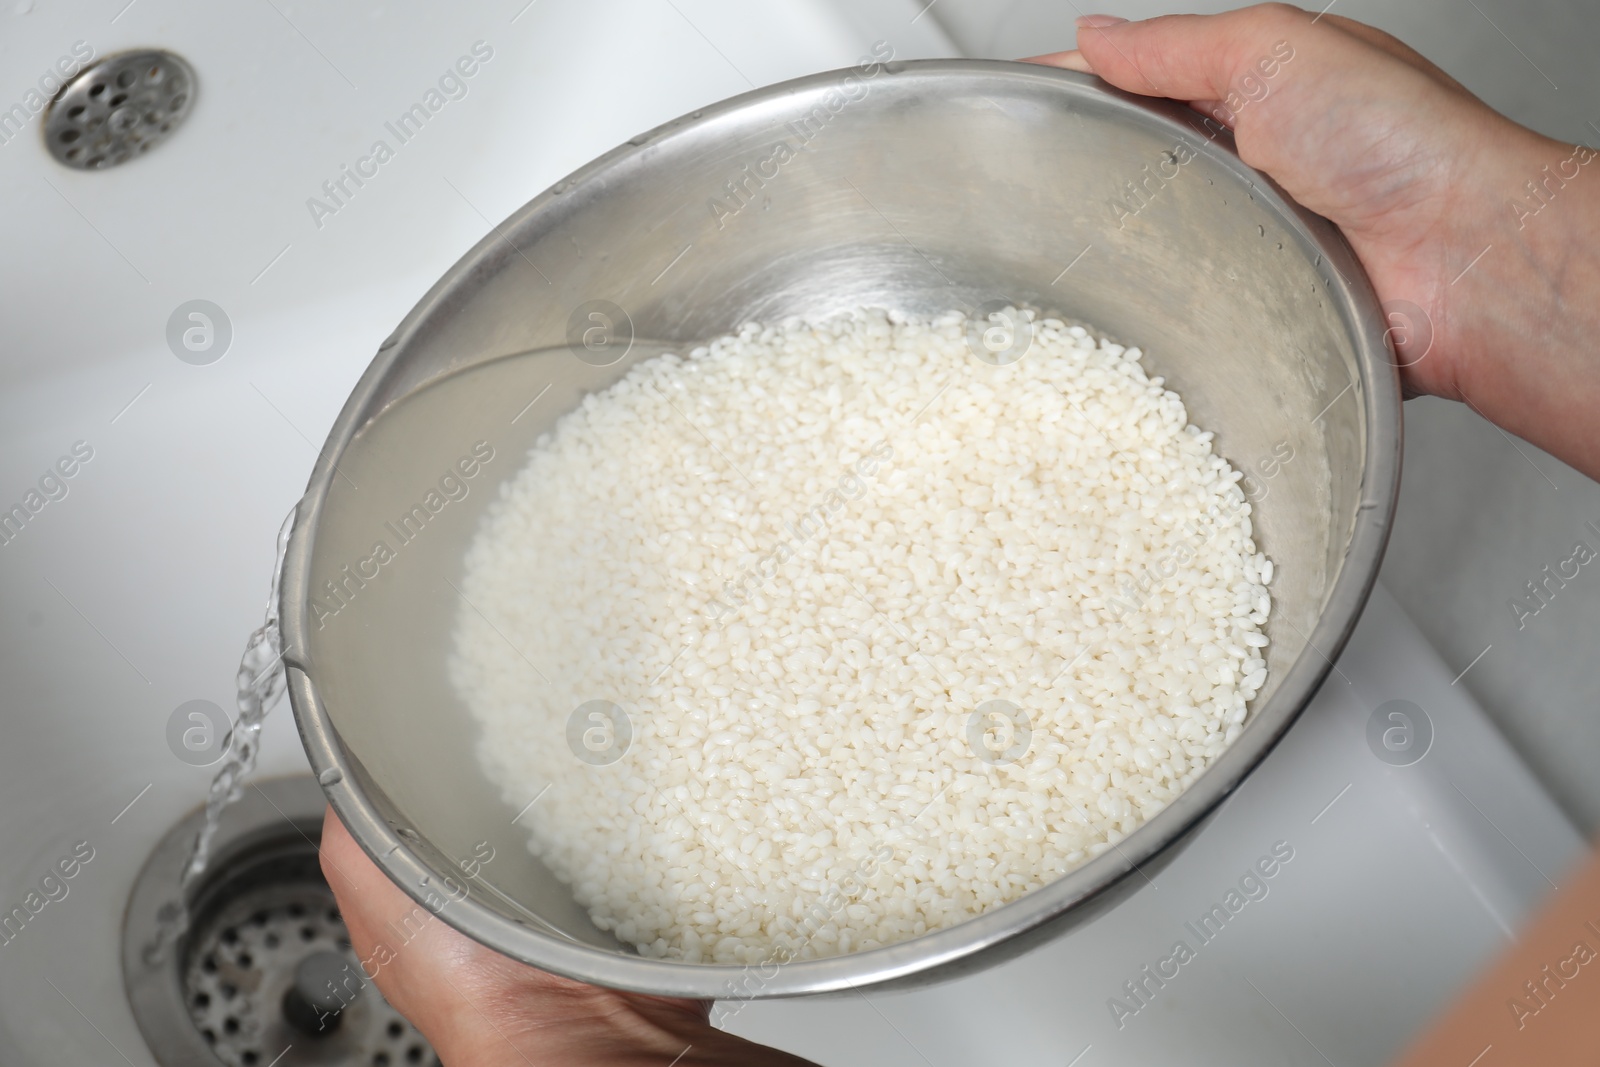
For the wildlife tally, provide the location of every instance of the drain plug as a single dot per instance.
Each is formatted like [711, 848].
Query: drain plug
[315, 1002]
[265, 973]
[119, 108]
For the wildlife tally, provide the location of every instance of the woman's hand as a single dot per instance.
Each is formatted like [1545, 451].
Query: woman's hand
[479, 1009]
[1430, 186]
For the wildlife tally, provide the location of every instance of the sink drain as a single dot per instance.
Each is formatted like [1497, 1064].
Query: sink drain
[265, 975]
[120, 108]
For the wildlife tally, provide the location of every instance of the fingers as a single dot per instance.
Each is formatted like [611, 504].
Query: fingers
[1187, 57]
[420, 964]
[368, 901]
[386, 926]
[366, 898]
[337, 845]
[1203, 58]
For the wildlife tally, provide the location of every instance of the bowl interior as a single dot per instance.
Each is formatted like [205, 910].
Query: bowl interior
[922, 189]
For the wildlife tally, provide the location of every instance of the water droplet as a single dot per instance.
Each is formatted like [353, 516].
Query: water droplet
[331, 776]
[408, 833]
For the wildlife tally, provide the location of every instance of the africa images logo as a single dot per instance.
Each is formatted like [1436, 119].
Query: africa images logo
[1140, 991]
[338, 191]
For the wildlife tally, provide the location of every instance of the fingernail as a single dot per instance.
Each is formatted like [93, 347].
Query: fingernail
[1099, 22]
[1073, 60]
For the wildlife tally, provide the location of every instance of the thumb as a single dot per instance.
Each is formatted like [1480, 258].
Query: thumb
[1186, 57]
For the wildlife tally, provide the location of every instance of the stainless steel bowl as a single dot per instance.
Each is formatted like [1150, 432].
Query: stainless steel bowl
[921, 186]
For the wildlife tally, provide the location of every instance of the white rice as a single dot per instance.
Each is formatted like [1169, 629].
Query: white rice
[799, 559]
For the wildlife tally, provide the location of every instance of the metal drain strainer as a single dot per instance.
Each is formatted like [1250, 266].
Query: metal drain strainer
[265, 975]
[241, 968]
[119, 108]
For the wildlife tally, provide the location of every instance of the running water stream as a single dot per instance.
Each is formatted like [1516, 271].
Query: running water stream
[261, 680]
